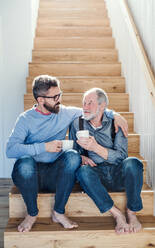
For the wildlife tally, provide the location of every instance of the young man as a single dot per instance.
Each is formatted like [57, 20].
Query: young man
[36, 144]
[105, 165]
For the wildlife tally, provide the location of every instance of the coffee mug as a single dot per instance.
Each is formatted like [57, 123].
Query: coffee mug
[82, 134]
[67, 144]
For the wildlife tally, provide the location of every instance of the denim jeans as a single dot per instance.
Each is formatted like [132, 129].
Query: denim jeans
[32, 177]
[97, 181]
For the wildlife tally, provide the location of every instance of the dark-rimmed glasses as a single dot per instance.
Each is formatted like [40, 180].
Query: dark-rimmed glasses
[55, 98]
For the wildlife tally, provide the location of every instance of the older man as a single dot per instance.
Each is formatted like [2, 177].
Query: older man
[105, 166]
[36, 144]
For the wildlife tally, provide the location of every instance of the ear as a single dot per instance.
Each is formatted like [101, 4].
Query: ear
[40, 100]
[102, 106]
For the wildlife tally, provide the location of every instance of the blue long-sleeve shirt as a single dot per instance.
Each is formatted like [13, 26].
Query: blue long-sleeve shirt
[33, 129]
[117, 148]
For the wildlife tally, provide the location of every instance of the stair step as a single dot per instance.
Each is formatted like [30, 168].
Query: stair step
[92, 232]
[81, 84]
[79, 203]
[74, 12]
[61, 21]
[72, 4]
[73, 69]
[89, 56]
[118, 101]
[70, 43]
[76, 31]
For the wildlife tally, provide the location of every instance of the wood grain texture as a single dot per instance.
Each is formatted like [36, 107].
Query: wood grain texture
[75, 69]
[72, 13]
[79, 204]
[118, 101]
[92, 232]
[76, 31]
[72, 21]
[89, 56]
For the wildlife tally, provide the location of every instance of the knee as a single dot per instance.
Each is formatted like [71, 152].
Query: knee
[24, 167]
[84, 173]
[133, 165]
[72, 160]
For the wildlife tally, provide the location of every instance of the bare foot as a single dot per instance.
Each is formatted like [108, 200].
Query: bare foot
[27, 223]
[121, 225]
[63, 220]
[134, 224]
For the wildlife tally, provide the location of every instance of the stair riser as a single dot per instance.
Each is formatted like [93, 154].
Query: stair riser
[62, 69]
[48, 22]
[88, 56]
[72, 13]
[78, 205]
[117, 102]
[74, 32]
[80, 87]
[85, 239]
[74, 43]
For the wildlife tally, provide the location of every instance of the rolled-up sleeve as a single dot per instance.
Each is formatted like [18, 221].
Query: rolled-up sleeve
[120, 149]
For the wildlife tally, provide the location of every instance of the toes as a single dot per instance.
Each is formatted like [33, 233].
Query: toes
[74, 224]
[20, 228]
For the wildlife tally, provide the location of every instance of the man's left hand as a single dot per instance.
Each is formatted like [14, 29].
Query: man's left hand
[120, 121]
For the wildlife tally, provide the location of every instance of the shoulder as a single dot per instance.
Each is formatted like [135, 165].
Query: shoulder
[71, 111]
[25, 116]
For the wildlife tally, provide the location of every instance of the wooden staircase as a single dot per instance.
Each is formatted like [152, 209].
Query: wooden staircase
[74, 43]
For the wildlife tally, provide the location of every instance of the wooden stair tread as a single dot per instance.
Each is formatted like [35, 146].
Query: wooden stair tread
[88, 77]
[101, 224]
[77, 190]
[29, 95]
[64, 21]
[74, 62]
[76, 50]
[72, 38]
[92, 232]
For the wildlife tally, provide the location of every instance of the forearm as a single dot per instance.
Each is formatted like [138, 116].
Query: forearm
[101, 151]
[16, 150]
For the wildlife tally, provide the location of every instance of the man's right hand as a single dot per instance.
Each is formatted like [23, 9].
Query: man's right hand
[53, 146]
[88, 161]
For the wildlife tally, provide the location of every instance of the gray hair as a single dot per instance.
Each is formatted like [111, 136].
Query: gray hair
[101, 95]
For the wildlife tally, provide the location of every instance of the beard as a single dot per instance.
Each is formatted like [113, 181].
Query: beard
[91, 116]
[53, 109]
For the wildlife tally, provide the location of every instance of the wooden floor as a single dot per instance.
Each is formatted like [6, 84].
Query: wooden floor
[5, 186]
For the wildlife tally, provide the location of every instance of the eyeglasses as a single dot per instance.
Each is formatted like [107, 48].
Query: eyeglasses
[55, 98]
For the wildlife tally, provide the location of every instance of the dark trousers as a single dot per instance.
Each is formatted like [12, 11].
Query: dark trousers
[31, 177]
[97, 181]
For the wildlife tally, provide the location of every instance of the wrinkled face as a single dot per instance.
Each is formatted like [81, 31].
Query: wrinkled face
[52, 100]
[91, 108]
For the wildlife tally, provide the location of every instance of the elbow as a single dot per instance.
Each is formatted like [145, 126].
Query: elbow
[8, 153]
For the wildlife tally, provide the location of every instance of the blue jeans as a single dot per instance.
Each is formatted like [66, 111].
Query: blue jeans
[97, 181]
[32, 177]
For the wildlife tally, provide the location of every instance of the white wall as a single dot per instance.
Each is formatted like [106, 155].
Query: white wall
[136, 80]
[17, 23]
[143, 12]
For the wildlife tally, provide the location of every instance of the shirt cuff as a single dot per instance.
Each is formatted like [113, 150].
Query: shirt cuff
[39, 148]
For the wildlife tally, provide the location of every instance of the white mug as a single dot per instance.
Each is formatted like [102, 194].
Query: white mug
[67, 144]
[82, 134]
